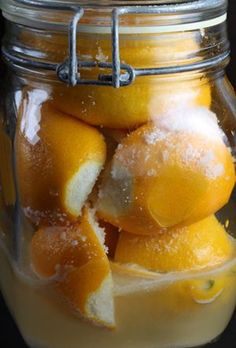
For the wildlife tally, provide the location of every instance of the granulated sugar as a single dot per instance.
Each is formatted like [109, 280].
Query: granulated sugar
[198, 120]
[155, 136]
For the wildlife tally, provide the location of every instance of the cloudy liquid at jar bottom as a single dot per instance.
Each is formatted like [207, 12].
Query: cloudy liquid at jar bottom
[144, 318]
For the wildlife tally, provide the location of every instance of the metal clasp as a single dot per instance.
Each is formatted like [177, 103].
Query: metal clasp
[121, 74]
[69, 71]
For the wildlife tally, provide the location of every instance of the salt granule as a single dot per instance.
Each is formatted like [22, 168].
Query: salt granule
[215, 171]
[101, 56]
[190, 154]
[74, 242]
[83, 238]
[151, 172]
[119, 172]
[154, 136]
[196, 120]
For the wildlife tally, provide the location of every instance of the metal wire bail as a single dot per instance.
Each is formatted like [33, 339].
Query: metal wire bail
[121, 74]
[69, 71]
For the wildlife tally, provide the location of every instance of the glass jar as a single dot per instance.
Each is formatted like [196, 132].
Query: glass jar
[117, 173]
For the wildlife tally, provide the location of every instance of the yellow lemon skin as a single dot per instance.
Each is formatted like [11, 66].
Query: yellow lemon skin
[81, 284]
[160, 178]
[203, 244]
[75, 256]
[131, 106]
[54, 249]
[58, 160]
[140, 102]
[198, 254]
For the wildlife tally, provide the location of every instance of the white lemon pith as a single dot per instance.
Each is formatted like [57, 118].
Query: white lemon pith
[61, 171]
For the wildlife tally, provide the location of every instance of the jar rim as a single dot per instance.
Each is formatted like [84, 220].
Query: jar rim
[187, 5]
[58, 13]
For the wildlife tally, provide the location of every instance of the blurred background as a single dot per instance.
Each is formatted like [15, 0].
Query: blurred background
[9, 336]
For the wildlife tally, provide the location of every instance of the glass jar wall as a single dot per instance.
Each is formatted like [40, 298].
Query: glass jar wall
[117, 222]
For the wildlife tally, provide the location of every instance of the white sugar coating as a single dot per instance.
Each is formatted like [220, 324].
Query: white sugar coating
[207, 157]
[152, 172]
[74, 243]
[190, 154]
[196, 120]
[82, 238]
[155, 136]
[119, 172]
[215, 171]
[212, 170]
[54, 216]
[120, 147]
[188, 138]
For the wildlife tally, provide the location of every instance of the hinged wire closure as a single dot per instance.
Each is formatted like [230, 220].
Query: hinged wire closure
[121, 74]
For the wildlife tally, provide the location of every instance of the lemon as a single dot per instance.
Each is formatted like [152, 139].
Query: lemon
[203, 244]
[77, 256]
[173, 172]
[58, 160]
[149, 96]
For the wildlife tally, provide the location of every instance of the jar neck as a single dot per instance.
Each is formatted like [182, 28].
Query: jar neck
[141, 45]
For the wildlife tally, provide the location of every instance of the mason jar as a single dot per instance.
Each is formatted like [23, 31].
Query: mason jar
[117, 172]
